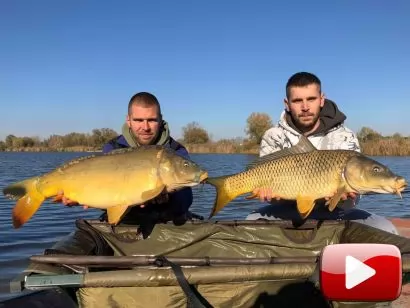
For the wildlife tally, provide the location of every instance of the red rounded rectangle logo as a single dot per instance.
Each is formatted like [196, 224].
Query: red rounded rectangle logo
[361, 272]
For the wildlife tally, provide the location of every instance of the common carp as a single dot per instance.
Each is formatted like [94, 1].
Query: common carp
[305, 174]
[113, 181]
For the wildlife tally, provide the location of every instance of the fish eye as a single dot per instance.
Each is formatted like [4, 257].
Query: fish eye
[377, 169]
[186, 164]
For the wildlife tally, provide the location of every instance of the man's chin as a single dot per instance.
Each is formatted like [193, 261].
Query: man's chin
[144, 141]
[305, 126]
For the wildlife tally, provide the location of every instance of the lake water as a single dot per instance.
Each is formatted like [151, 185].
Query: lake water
[53, 221]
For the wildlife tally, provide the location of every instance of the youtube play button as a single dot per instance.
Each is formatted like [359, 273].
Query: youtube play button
[361, 272]
[356, 272]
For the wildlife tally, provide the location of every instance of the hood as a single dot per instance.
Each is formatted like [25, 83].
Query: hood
[162, 139]
[329, 117]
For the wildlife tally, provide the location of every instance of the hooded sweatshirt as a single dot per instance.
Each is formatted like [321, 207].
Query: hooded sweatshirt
[162, 139]
[330, 135]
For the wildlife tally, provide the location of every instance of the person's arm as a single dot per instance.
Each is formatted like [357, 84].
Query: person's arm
[108, 147]
[347, 140]
[271, 142]
[180, 201]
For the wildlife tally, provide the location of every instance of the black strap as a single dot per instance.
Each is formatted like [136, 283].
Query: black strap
[193, 300]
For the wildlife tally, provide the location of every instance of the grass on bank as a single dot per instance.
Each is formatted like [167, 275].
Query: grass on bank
[380, 147]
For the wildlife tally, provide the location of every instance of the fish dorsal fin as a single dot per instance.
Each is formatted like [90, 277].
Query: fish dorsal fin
[119, 151]
[75, 161]
[303, 146]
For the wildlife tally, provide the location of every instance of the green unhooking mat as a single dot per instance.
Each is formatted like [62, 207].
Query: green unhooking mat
[206, 264]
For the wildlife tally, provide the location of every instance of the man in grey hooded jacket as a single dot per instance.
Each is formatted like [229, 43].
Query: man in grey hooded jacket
[308, 112]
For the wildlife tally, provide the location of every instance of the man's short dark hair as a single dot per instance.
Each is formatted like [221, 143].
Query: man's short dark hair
[302, 79]
[144, 99]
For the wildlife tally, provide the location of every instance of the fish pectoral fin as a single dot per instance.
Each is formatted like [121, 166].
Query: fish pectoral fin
[151, 194]
[305, 205]
[332, 202]
[116, 213]
[254, 194]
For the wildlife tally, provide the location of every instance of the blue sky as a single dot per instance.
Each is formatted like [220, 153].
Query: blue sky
[73, 65]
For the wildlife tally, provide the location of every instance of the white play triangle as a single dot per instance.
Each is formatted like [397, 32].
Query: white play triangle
[356, 272]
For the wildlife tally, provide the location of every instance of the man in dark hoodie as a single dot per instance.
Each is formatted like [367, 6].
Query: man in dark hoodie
[307, 112]
[144, 125]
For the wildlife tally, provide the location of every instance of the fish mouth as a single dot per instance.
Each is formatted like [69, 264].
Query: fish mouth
[401, 184]
[203, 177]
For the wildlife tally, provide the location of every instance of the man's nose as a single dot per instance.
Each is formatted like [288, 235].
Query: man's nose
[305, 106]
[145, 125]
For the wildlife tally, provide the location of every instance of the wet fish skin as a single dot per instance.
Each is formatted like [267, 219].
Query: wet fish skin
[114, 181]
[305, 174]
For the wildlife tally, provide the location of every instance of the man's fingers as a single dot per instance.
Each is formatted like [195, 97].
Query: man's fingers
[262, 194]
[330, 196]
[266, 194]
[353, 195]
[68, 202]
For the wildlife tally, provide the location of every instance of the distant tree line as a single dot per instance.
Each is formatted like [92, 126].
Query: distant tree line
[85, 141]
[198, 139]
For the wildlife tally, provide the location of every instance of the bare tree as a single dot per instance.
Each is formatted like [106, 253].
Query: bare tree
[193, 133]
[256, 125]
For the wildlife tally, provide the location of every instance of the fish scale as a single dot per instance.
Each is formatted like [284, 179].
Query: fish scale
[114, 181]
[287, 177]
[305, 174]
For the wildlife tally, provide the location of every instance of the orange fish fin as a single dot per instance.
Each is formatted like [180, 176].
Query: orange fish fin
[332, 202]
[116, 213]
[151, 194]
[305, 205]
[29, 200]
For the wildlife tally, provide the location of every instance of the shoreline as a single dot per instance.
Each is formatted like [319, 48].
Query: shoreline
[190, 150]
[198, 141]
[381, 147]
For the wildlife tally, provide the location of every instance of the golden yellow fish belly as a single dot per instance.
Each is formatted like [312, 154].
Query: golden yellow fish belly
[102, 183]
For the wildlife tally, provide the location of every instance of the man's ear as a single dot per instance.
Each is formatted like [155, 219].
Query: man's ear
[322, 100]
[128, 120]
[286, 102]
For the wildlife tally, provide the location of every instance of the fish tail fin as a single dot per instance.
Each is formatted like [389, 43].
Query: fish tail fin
[28, 198]
[224, 195]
